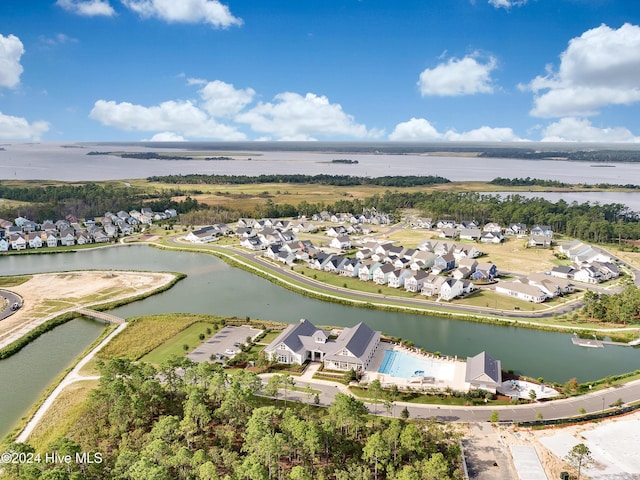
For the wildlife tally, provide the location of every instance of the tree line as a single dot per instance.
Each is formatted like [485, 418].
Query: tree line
[88, 200]
[622, 307]
[200, 422]
[578, 156]
[338, 180]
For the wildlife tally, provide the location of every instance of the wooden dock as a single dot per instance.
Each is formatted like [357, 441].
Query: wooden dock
[102, 316]
[586, 342]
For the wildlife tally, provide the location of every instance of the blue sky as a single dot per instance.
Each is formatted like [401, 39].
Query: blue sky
[402, 70]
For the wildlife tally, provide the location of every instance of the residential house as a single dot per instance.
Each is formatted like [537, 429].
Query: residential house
[491, 237]
[540, 241]
[483, 373]
[485, 271]
[350, 268]
[320, 260]
[542, 230]
[422, 260]
[470, 234]
[431, 285]
[450, 289]
[445, 224]
[562, 271]
[252, 243]
[607, 270]
[367, 269]
[4, 245]
[272, 251]
[34, 240]
[381, 275]
[465, 251]
[363, 253]
[523, 291]
[444, 263]
[397, 278]
[492, 227]
[342, 242]
[562, 285]
[517, 229]
[587, 274]
[415, 281]
[67, 237]
[448, 232]
[202, 235]
[17, 241]
[334, 264]
[336, 231]
[51, 239]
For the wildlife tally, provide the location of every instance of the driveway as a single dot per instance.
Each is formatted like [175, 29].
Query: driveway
[11, 299]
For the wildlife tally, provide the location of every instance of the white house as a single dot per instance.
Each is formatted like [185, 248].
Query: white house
[523, 291]
[381, 275]
[342, 242]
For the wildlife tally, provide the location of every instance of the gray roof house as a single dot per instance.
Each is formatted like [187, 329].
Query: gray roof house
[483, 372]
[303, 341]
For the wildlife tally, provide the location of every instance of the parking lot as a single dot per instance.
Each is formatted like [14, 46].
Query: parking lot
[226, 343]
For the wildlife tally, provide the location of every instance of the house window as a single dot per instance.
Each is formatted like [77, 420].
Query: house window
[282, 346]
[283, 359]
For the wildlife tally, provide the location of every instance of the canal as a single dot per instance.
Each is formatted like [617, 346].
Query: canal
[214, 287]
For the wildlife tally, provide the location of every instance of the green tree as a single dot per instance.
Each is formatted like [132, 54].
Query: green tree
[376, 452]
[578, 457]
[375, 390]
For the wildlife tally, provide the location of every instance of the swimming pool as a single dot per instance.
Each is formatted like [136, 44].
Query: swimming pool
[401, 365]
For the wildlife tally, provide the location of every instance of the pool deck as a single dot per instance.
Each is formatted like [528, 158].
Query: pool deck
[455, 383]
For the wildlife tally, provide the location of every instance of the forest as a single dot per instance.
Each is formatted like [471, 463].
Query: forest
[202, 423]
[621, 308]
[88, 200]
[338, 180]
[578, 156]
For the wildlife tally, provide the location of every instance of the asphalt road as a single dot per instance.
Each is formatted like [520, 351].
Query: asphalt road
[12, 298]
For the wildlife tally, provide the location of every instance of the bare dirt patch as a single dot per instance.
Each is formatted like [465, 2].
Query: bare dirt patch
[49, 294]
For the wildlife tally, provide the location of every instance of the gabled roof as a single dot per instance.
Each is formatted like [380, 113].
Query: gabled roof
[484, 369]
[291, 335]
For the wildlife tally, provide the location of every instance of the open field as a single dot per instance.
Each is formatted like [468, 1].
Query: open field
[145, 334]
[174, 347]
[63, 414]
[48, 294]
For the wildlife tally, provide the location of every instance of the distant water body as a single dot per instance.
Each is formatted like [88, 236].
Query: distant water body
[70, 162]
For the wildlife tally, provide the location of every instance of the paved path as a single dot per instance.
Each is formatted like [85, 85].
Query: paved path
[72, 376]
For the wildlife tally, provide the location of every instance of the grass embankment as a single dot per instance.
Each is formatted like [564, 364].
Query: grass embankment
[27, 416]
[424, 399]
[14, 281]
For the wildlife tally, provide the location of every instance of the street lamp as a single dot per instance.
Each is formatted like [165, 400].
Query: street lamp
[603, 404]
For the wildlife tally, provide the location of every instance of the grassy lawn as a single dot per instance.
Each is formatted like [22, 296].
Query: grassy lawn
[270, 337]
[174, 346]
[490, 299]
[63, 414]
[420, 398]
[14, 281]
[145, 334]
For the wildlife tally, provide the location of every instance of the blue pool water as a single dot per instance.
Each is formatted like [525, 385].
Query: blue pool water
[401, 365]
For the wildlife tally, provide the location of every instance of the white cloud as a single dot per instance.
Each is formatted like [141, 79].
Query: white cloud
[599, 68]
[16, 128]
[55, 40]
[11, 49]
[464, 76]
[185, 11]
[419, 129]
[166, 137]
[294, 117]
[87, 8]
[222, 99]
[571, 129]
[183, 118]
[507, 4]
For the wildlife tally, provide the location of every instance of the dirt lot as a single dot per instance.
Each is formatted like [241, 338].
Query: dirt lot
[49, 294]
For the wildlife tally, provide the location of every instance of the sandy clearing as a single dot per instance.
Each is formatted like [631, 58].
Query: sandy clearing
[50, 294]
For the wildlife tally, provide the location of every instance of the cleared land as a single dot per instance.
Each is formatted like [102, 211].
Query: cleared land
[49, 294]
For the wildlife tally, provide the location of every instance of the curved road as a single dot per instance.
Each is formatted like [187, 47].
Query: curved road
[11, 299]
